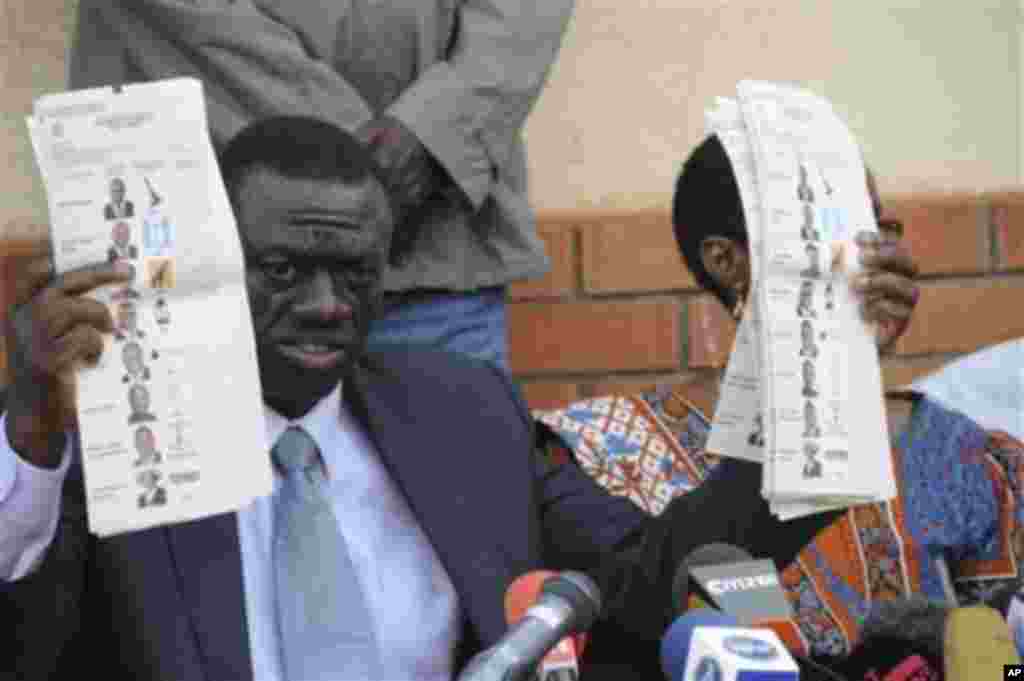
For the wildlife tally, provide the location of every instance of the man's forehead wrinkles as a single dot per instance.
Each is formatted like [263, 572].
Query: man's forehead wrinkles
[311, 241]
[323, 238]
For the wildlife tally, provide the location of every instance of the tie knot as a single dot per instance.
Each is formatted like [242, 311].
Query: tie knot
[295, 451]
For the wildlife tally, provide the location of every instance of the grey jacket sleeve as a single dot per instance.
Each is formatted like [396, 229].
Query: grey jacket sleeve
[469, 109]
[252, 65]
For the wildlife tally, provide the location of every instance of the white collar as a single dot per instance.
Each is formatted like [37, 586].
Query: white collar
[321, 422]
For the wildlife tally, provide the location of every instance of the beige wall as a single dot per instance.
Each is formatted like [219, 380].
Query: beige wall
[930, 88]
[33, 40]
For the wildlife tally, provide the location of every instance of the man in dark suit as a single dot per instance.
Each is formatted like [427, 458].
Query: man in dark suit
[128, 322]
[427, 460]
[121, 247]
[118, 206]
[812, 464]
[152, 493]
[145, 445]
[138, 400]
[809, 374]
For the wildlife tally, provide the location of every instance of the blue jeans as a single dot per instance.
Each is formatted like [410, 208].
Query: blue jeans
[469, 323]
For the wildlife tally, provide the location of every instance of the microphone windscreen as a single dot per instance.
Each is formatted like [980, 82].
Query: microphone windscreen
[523, 593]
[708, 554]
[675, 644]
[977, 644]
[896, 634]
[580, 592]
[916, 620]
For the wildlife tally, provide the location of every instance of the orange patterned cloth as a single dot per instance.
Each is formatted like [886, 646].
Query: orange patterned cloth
[960, 499]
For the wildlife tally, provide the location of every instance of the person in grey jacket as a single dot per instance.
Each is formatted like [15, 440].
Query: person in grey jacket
[439, 90]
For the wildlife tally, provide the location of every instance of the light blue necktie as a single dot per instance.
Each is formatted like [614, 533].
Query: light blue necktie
[324, 623]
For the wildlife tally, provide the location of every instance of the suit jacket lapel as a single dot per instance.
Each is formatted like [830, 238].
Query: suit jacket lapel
[208, 559]
[443, 494]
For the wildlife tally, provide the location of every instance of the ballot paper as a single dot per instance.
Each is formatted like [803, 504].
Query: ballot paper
[171, 419]
[803, 391]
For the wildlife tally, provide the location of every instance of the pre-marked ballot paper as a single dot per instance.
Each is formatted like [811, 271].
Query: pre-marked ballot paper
[171, 421]
[802, 392]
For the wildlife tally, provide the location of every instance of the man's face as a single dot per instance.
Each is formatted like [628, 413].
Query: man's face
[132, 354]
[138, 397]
[148, 479]
[314, 251]
[144, 441]
[122, 233]
[116, 191]
[809, 374]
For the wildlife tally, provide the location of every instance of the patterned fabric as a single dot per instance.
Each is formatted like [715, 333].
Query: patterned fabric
[960, 499]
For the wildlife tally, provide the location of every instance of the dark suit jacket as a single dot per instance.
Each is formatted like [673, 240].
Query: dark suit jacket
[157, 498]
[113, 255]
[168, 603]
[109, 213]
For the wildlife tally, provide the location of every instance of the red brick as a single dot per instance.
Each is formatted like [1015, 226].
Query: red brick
[710, 332]
[549, 394]
[614, 386]
[561, 280]
[1008, 215]
[898, 372]
[632, 253]
[699, 388]
[594, 336]
[947, 234]
[962, 317]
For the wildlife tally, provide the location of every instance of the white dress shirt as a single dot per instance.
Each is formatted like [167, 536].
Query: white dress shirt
[410, 596]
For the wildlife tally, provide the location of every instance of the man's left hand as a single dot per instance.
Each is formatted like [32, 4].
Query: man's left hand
[886, 284]
[411, 172]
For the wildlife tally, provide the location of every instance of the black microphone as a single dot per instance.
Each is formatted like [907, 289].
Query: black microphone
[898, 636]
[1008, 599]
[726, 578]
[568, 604]
[687, 593]
[914, 639]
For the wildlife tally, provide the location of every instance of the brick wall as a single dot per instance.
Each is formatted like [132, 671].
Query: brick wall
[619, 311]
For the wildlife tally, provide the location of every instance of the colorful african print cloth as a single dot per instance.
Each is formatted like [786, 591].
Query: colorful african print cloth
[960, 492]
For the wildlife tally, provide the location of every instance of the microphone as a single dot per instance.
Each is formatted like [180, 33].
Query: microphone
[705, 644]
[569, 602]
[561, 663]
[686, 593]
[900, 640]
[1008, 599]
[915, 639]
[727, 578]
[977, 644]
